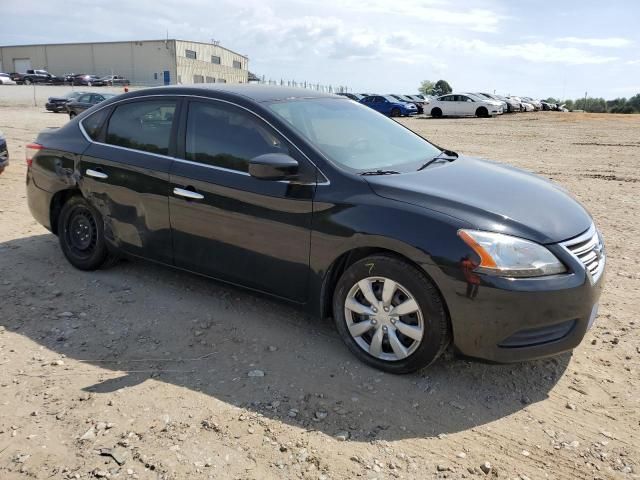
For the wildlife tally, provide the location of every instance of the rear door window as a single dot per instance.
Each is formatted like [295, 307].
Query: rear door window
[93, 123]
[226, 136]
[144, 125]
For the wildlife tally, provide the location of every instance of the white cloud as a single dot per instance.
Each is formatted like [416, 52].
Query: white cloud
[533, 52]
[614, 42]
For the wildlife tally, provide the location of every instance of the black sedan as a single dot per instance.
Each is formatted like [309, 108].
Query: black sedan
[4, 153]
[84, 101]
[59, 104]
[321, 201]
[88, 80]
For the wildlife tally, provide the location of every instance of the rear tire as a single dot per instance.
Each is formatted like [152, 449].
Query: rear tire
[436, 113]
[81, 235]
[27, 81]
[482, 112]
[408, 338]
[72, 115]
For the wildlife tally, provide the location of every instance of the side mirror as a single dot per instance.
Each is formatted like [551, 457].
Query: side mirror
[273, 166]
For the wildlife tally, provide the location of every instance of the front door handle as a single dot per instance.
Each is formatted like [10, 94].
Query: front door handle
[190, 194]
[96, 174]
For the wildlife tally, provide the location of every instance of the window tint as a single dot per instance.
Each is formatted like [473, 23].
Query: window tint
[142, 125]
[226, 136]
[93, 123]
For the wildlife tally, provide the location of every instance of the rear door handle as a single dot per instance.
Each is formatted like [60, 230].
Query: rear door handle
[190, 194]
[96, 174]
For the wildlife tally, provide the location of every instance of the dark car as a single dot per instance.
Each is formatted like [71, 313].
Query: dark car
[405, 98]
[59, 104]
[84, 101]
[36, 76]
[115, 80]
[4, 153]
[389, 105]
[88, 80]
[356, 97]
[318, 200]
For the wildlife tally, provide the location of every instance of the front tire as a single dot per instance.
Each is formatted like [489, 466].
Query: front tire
[390, 314]
[482, 112]
[395, 112]
[81, 235]
[72, 115]
[436, 113]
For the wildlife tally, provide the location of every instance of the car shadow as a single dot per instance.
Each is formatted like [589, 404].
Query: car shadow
[139, 320]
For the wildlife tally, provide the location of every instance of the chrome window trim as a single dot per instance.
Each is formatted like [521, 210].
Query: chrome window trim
[90, 140]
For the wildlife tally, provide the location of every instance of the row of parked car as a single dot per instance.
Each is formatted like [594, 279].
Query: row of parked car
[477, 104]
[44, 77]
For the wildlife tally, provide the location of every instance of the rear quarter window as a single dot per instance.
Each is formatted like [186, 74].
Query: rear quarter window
[93, 123]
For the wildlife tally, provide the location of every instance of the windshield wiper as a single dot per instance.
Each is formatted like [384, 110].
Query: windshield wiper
[447, 155]
[380, 172]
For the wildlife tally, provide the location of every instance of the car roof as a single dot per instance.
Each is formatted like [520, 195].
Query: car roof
[257, 93]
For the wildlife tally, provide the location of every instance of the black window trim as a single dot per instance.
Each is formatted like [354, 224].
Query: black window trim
[321, 178]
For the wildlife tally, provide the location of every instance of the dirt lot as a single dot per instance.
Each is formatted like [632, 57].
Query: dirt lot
[153, 365]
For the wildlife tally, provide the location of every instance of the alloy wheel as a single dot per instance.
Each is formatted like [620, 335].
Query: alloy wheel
[384, 318]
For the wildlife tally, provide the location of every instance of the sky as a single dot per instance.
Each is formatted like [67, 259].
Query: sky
[537, 48]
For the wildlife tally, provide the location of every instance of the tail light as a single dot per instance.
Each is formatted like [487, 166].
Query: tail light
[30, 152]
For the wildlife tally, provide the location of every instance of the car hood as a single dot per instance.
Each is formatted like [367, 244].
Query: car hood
[490, 196]
[59, 99]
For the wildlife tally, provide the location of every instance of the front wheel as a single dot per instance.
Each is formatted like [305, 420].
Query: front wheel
[482, 112]
[395, 112]
[81, 235]
[436, 113]
[72, 115]
[390, 314]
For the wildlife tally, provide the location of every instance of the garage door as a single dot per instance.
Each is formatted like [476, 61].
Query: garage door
[21, 65]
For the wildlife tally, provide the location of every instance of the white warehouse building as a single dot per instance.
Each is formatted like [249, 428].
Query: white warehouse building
[144, 62]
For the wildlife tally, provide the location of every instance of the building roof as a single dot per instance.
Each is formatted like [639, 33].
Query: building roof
[255, 92]
[122, 41]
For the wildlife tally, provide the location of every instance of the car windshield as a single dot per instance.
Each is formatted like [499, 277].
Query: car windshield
[355, 136]
[391, 99]
[108, 95]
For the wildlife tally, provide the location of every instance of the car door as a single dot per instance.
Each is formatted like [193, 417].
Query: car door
[447, 105]
[82, 103]
[125, 174]
[466, 105]
[228, 224]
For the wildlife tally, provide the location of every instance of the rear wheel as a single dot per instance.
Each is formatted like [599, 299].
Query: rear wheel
[81, 235]
[28, 81]
[390, 314]
[436, 112]
[482, 112]
[72, 114]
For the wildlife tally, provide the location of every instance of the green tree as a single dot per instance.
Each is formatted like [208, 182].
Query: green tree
[441, 87]
[569, 105]
[426, 87]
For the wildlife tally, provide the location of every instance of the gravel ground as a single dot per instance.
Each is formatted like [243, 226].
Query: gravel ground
[141, 371]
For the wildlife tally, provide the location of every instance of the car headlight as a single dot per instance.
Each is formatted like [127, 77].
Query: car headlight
[506, 256]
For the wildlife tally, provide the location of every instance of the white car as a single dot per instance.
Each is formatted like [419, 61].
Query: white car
[6, 80]
[460, 105]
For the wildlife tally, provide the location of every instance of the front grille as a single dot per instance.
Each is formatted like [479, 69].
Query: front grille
[538, 336]
[589, 249]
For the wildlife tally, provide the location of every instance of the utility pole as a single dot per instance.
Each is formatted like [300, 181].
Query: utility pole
[585, 102]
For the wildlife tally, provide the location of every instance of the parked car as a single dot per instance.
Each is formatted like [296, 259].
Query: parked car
[353, 96]
[536, 103]
[85, 101]
[407, 99]
[59, 104]
[4, 152]
[389, 106]
[459, 105]
[5, 79]
[413, 246]
[36, 76]
[511, 105]
[112, 80]
[88, 80]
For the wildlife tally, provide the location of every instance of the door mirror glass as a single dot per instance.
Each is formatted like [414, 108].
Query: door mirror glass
[273, 166]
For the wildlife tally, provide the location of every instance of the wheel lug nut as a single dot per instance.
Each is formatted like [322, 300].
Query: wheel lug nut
[384, 329]
[374, 321]
[375, 310]
[393, 320]
[386, 309]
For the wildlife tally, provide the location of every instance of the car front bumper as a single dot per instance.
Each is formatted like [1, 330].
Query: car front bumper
[55, 107]
[511, 320]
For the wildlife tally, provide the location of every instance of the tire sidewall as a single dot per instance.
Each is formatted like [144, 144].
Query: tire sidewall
[436, 336]
[100, 253]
